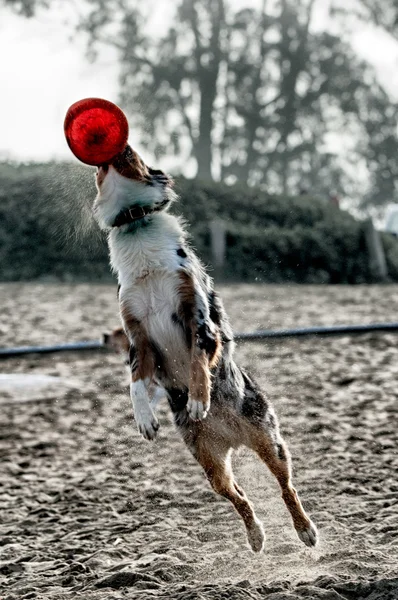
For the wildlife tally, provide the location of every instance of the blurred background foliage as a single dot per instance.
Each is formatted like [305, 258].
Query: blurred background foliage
[47, 231]
[274, 114]
[255, 95]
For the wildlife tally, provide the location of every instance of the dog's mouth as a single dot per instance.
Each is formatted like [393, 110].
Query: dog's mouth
[130, 165]
[101, 172]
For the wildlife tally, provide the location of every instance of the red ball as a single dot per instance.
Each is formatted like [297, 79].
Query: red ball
[96, 130]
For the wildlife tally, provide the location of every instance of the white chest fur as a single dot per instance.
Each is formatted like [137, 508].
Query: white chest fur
[147, 265]
[148, 249]
[153, 300]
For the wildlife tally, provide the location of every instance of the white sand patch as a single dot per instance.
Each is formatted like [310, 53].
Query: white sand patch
[21, 387]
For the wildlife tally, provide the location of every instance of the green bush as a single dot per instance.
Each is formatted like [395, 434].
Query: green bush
[47, 230]
[272, 238]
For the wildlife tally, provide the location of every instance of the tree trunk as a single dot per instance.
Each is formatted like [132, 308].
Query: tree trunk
[203, 149]
[207, 78]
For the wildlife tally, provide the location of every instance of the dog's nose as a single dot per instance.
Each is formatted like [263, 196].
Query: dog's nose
[105, 338]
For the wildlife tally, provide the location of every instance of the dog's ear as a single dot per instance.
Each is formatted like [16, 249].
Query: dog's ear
[160, 177]
[130, 165]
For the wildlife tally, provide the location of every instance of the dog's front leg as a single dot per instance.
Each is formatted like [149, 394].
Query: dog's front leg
[205, 348]
[145, 418]
[142, 367]
[198, 404]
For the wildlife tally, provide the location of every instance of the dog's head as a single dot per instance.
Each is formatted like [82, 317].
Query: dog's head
[128, 183]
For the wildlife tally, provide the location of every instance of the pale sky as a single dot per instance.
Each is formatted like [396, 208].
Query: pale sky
[43, 71]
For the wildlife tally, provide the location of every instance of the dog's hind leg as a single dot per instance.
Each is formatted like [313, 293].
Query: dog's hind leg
[271, 448]
[264, 438]
[217, 466]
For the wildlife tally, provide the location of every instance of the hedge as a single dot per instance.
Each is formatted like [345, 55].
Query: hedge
[47, 230]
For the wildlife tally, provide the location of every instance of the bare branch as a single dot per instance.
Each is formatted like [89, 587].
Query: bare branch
[186, 119]
[198, 51]
[216, 30]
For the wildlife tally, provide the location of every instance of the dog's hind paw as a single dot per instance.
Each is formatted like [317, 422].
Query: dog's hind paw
[309, 536]
[196, 409]
[255, 536]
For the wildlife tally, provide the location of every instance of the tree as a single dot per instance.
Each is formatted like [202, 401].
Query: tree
[169, 83]
[253, 95]
[289, 99]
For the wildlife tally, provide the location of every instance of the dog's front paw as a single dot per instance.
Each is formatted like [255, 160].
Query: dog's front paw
[197, 410]
[147, 422]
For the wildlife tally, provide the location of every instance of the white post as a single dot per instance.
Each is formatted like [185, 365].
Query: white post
[218, 242]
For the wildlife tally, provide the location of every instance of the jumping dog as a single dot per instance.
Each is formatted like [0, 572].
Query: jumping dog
[178, 338]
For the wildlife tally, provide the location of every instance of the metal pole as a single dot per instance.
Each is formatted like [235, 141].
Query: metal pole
[76, 347]
[250, 336]
[323, 331]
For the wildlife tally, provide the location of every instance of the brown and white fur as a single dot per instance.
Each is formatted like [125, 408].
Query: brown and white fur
[179, 340]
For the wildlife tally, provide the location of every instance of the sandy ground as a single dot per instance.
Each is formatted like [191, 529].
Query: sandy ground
[89, 510]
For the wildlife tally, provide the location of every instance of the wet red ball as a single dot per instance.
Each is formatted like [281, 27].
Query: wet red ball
[96, 130]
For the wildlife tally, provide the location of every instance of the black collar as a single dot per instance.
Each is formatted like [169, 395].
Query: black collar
[135, 213]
